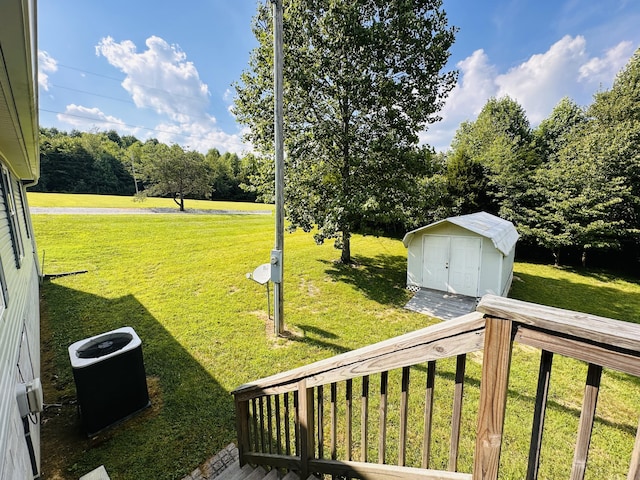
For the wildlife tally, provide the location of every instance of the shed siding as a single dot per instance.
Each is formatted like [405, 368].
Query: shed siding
[491, 266]
[507, 272]
[19, 344]
[495, 268]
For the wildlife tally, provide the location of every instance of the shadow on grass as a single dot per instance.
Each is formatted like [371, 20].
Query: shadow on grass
[191, 417]
[597, 300]
[381, 278]
[317, 337]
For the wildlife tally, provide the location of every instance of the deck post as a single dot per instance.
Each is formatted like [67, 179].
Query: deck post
[242, 429]
[305, 416]
[493, 398]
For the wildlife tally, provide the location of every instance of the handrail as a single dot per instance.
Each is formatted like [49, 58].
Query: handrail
[267, 413]
[402, 351]
[595, 329]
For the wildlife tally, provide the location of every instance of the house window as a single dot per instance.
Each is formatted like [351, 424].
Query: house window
[23, 206]
[12, 217]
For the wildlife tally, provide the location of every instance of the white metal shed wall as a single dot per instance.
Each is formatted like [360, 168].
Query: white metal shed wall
[495, 268]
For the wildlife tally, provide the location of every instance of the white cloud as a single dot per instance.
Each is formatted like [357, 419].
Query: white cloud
[46, 64]
[538, 84]
[85, 118]
[200, 136]
[161, 78]
[602, 70]
[475, 85]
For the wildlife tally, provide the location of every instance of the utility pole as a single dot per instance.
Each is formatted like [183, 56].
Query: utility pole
[133, 170]
[277, 256]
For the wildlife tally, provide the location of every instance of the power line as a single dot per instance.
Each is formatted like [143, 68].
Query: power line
[93, 94]
[112, 122]
[133, 83]
[128, 102]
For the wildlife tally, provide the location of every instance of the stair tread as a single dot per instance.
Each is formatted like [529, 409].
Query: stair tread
[272, 475]
[235, 472]
[257, 474]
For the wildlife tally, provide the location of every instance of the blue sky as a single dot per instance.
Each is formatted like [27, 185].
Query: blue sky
[165, 69]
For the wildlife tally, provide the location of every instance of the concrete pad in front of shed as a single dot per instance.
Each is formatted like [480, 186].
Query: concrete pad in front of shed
[442, 305]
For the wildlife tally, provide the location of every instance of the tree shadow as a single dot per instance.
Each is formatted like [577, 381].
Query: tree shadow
[381, 278]
[317, 331]
[317, 337]
[597, 300]
[191, 415]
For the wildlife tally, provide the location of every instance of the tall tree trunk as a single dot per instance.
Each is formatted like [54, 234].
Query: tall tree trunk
[345, 257]
[556, 257]
[181, 202]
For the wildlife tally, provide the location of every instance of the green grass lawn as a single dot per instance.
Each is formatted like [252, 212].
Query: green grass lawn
[180, 282]
[38, 199]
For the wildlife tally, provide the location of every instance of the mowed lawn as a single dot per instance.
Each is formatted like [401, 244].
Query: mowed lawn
[38, 199]
[179, 281]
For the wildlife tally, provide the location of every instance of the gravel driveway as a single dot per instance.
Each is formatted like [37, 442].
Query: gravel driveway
[139, 211]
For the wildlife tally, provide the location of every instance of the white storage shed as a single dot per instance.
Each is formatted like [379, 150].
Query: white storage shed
[468, 255]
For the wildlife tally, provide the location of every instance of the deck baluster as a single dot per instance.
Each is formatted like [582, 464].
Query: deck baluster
[334, 421]
[364, 418]
[634, 467]
[287, 428]
[382, 439]
[349, 412]
[592, 387]
[254, 418]
[320, 421]
[269, 425]
[278, 425]
[428, 413]
[456, 415]
[542, 394]
[261, 422]
[404, 413]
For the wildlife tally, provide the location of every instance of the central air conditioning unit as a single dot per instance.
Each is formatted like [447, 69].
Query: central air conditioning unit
[110, 379]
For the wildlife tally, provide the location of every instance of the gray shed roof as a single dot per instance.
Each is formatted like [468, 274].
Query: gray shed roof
[501, 232]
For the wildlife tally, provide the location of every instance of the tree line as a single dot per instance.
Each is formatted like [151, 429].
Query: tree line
[571, 185]
[107, 163]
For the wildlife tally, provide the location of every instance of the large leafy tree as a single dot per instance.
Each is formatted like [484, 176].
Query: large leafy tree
[615, 132]
[496, 158]
[362, 78]
[174, 171]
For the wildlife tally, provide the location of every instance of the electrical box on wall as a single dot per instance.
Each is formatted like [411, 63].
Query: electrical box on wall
[29, 397]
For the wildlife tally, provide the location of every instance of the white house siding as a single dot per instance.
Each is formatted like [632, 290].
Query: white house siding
[19, 345]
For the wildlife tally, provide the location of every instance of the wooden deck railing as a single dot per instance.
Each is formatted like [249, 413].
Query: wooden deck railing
[291, 421]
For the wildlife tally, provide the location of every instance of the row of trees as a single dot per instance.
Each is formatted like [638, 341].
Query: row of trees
[106, 163]
[365, 76]
[571, 184]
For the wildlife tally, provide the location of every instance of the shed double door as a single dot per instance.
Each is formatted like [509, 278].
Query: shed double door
[451, 264]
